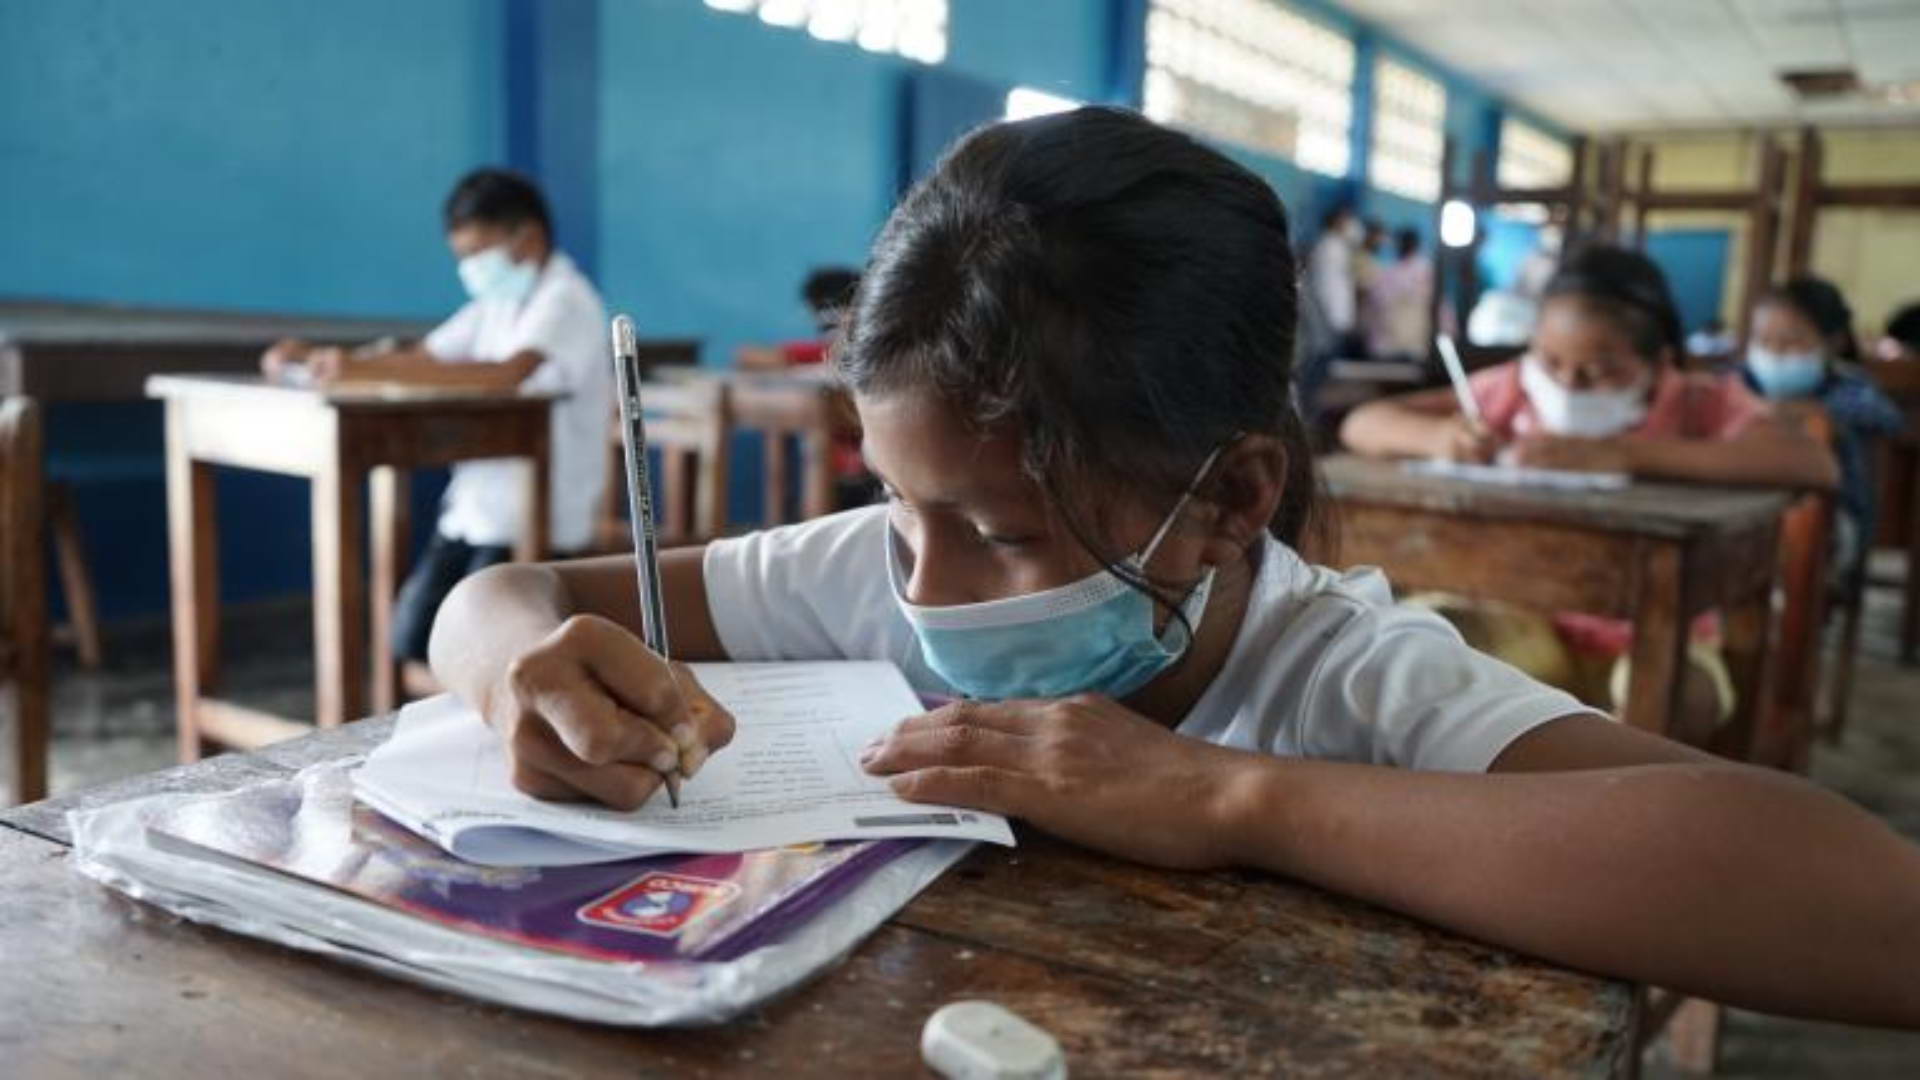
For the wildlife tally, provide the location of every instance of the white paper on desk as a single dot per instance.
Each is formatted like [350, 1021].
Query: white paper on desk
[1521, 475]
[790, 776]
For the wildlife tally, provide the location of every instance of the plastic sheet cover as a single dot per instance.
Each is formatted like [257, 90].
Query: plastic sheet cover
[667, 940]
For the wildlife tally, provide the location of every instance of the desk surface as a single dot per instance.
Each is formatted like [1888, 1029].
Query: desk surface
[1132, 969]
[1649, 509]
[260, 391]
[31, 322]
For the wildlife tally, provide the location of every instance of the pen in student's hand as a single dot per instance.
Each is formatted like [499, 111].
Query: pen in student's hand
[1457, 374]
[646, 545]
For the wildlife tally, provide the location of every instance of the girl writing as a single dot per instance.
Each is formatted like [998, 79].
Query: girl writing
[1070, 355]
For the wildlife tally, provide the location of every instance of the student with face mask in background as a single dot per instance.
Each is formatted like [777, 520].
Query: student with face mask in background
[533, 321]
[1801, 351]
[1599, 389]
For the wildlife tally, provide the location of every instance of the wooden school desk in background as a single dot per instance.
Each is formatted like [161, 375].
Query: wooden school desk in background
[1654, 554]
[1134, 970]
[341, 439]
[66, 353]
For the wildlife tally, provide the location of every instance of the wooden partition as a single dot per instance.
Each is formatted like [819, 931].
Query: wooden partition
[1763, 204]
[1812, 194]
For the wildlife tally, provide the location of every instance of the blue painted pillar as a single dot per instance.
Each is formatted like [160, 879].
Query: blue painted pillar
[1360, 136]
[553, 113]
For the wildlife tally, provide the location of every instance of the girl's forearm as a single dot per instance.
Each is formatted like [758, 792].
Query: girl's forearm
[490, 618]
[1390, 429]
[1781, 461]
[1729, 882]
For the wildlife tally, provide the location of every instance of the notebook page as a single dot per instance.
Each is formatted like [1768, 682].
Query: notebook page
[790, 776]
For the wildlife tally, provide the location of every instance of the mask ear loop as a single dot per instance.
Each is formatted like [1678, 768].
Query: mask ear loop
[1166, 526]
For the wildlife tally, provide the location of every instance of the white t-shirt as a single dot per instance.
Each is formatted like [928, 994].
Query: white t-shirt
[564, 320]
[1330, 268]
[1325, 664]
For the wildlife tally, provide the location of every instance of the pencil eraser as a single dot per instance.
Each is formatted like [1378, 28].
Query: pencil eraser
[979, 1040]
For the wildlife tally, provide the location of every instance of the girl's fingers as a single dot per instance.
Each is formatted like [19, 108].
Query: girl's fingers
[974, 787]
[1017, 717]
[955, 745]
[711, 722]
[545, 768]
[597, 731]
[633, 674]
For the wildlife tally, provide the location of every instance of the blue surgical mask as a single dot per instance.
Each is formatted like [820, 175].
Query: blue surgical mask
[491, 274]
[1785, 375]
[1095, 635]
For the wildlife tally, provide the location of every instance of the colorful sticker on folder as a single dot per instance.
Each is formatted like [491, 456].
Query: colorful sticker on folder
[660, 904]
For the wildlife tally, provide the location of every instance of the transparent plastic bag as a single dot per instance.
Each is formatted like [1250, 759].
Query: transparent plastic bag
[119, 846]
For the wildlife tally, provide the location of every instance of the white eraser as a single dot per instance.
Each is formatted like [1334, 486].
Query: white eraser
[979, 1040]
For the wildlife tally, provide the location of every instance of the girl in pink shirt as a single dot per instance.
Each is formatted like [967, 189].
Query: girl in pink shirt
[1599, 389]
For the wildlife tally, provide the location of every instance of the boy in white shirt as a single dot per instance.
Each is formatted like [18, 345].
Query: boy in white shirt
[534, 321]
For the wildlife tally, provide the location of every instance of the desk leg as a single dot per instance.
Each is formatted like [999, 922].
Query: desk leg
[1765, 729]
[816, 476]
[779, 464]
[193, 562]
[390, 508]
[1910, 609]
[339, 594]
[1659, 641]
[534, 538]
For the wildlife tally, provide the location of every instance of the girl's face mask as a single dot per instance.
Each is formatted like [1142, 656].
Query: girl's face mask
[1786, 374]
[1095, 635]
[1590, 414]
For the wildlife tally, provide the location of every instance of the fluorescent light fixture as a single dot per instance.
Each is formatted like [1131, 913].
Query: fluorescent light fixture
[834, 20]
[1024, 102]
[738, 6]
[1457, 224]
[784, 12]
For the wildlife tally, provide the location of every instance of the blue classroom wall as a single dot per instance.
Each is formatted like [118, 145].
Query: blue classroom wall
[292, 157]
[1695, 262]
[175, 153]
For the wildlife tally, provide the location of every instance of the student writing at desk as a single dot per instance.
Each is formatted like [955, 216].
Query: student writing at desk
[533, 321]
[1069, 354]
[1600, 389]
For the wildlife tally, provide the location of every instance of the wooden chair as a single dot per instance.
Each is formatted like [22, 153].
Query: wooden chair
[76, 580]
[807, 411]
[690, 424]
[23, 596]
[1901, 381]
[1899, 468]
[1784, 735]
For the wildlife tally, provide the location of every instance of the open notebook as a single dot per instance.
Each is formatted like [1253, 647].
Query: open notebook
[1520, 475]
[790, 776]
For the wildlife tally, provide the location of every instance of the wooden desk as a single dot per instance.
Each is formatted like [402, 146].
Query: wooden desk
[807, 404]
[105, 352]
[342, 440]
[1656, 554]
[1134, 970]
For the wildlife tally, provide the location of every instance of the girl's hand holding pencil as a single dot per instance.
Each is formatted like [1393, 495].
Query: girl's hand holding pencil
[592, 713]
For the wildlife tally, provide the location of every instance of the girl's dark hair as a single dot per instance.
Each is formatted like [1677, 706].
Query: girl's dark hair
[1118, 294]
[829, 287]
[1628, 289]
[496, 197]
[1904, 326]
[1820, 303]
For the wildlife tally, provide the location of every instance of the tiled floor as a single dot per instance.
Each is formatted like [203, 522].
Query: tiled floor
[120, 721]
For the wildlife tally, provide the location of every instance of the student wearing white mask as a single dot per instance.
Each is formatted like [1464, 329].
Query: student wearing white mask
[533, 321]
[1802, 355]
[1599, 389]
